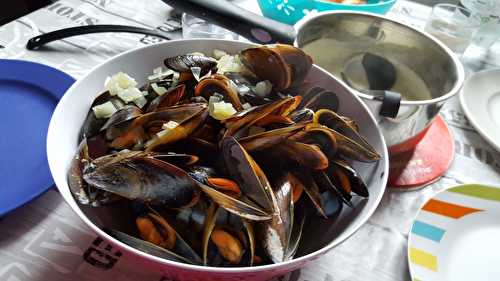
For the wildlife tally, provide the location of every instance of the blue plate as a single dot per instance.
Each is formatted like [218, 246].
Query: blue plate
[29, 93]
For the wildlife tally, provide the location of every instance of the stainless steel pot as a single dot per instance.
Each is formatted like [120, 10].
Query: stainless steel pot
[427, 72]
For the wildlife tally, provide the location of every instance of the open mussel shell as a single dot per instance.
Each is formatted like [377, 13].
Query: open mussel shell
[147, 247]
[227, 239]
[184, 63]
[219, 84]
[295, 235]
[157, 230]
[319, 136]
[358, 186]
[144, 179]
[243, 120]
[83, 192]
[324, 179]
[316, 98]
[306, 180]
[245, 85]
[268, 65]
[347, 147]
[307, 155]
[168, 99]
[246, 172]
[344, 126]
[151, 123]
[177, 159]
[92, 125]
[237, 206]
[269, 138]
[75, 174]
[182, 131]
[119, 122]
[299, 62]
[302, 115]
[283, 65]
[276, 232]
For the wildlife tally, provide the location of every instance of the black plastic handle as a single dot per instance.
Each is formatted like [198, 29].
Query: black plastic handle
[40, 40]
[249, 25]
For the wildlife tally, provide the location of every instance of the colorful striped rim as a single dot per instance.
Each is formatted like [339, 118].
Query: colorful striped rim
[436, 216]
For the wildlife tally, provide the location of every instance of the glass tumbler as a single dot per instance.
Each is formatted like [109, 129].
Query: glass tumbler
[193, 27]
[453, 25]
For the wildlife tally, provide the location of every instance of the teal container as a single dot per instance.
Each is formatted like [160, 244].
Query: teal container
[291, 11]
[286, 11]
[373, 6]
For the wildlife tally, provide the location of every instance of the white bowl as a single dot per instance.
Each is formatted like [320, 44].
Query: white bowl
[72, 110]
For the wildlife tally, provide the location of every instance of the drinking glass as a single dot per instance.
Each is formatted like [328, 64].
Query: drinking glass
[193, 27]
[453, 25]
[489, 13]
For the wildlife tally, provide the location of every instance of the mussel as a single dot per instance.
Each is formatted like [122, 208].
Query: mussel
[184, 63]
[284, 66]
[144, 179]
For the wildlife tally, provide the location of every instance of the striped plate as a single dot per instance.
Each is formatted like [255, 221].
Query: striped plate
[456, 236]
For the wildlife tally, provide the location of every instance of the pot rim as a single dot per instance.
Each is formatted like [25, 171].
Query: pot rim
[453, 57]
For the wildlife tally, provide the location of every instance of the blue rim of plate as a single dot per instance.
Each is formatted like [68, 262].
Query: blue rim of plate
[30, 92]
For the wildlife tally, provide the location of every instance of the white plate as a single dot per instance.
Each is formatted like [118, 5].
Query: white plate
[480, 99]
[455, 236]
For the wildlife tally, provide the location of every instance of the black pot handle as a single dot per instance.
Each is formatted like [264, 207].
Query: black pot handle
[249, 25]
[40, 40]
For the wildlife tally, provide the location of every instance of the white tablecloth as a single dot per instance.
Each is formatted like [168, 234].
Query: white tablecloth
[45, 240]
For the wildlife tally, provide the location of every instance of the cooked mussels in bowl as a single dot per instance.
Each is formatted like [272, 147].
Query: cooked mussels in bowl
[225, 155]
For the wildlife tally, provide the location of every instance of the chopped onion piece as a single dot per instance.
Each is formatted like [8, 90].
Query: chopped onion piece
[246, 105]
[218, 54]
[130, 94]
[119, 82]
[104, 110]
[170, 125]
[140, 102]
[263, 88]
[159, 90]
[167, 127]
[228, 63]
[221, 110]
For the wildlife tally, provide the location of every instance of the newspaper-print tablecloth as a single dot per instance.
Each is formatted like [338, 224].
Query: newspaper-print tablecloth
[45, 240]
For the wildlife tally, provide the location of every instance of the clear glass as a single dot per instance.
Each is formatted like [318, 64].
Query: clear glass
[193, 27]
[489, 13]
[453, 25]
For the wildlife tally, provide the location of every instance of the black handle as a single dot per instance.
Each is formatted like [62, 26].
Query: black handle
[249, 25]
[391, 101]
[40, 40]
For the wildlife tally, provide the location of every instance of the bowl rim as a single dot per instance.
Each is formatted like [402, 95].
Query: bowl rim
[51, 155]
[454, 58]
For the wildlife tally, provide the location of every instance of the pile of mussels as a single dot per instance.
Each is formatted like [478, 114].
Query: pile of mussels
[221, 160]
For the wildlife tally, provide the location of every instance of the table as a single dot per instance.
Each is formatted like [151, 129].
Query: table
[44, 240]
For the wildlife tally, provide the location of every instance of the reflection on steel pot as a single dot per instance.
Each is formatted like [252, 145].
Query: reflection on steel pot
[427, 72]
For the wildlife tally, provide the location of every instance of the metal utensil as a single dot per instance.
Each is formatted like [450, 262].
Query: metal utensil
[42, 39]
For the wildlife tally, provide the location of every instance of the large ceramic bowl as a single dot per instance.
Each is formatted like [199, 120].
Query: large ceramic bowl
[71, 112]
